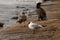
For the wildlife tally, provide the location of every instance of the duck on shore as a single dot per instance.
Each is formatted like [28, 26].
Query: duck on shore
[22, 17]
[40, 11]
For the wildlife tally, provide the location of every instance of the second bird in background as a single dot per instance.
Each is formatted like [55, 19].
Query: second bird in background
[22, 17]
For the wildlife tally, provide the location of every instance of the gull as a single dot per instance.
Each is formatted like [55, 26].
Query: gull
[34, 26]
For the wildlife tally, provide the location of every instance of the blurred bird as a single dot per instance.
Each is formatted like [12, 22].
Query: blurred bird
[22, 17]
[34, 26]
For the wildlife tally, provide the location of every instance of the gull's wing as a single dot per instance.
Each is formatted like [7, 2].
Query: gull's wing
[36, 26]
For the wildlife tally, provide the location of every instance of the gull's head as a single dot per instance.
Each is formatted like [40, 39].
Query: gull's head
[30, 23]
[39, 1]
[22, 12]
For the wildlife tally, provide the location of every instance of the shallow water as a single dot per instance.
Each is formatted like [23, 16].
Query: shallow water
[9, 11]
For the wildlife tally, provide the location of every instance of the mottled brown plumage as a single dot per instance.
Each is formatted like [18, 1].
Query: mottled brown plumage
[40, 12]
[22, 17]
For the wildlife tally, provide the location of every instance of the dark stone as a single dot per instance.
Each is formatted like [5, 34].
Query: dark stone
[17, 6]
[1, 24]
[15, 18]
[20, 7]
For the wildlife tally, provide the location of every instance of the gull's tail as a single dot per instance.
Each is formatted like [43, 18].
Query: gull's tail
[41, 26]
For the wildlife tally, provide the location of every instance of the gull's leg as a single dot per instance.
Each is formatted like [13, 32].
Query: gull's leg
[34, 31]
[24, 23]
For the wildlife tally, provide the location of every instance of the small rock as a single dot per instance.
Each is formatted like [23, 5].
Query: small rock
[14, 18]
[1, 24]
[17, 6]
